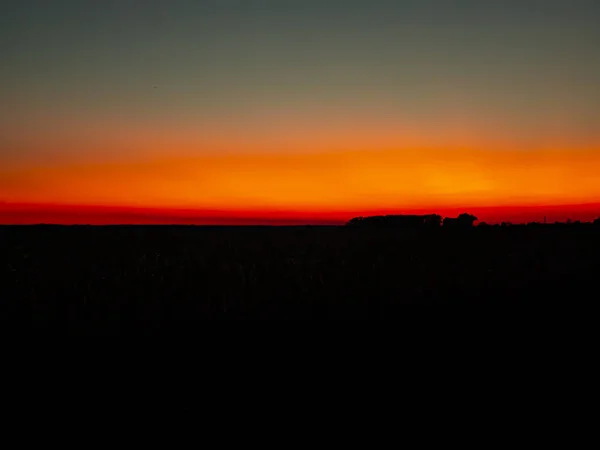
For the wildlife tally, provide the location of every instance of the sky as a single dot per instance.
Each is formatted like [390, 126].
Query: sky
[295, 111]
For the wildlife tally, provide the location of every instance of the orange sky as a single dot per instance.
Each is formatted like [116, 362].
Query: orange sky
[294, 166]
[323, 159]
[314, 185]
[314, 110]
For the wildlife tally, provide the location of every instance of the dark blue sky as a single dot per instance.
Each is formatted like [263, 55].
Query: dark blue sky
[525, 65]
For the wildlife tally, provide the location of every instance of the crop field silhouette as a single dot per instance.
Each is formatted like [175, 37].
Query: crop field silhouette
[108, 278]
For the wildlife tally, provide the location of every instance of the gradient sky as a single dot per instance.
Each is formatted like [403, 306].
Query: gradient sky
[301, 107]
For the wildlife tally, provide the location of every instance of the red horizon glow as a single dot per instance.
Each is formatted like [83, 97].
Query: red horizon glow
[300, 188]
[63, 214]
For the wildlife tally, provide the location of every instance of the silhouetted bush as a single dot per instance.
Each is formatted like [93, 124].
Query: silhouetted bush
[464, 220]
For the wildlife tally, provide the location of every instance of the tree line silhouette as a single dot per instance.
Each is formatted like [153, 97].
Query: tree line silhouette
[428, 221]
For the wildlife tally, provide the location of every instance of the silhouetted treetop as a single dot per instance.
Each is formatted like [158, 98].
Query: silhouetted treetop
[464, 220]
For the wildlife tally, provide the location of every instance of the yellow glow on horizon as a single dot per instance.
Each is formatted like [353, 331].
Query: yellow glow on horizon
[317, 181]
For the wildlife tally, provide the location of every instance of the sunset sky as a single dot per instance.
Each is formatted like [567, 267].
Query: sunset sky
[296, 111]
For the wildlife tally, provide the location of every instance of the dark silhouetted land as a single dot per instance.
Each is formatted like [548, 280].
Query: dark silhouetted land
[107, 278]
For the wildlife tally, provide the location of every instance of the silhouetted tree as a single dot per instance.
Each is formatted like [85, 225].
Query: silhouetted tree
[597, 221]
[433, 220]
[355, 221]
[467, 219]
[464, 220]
[450, 221]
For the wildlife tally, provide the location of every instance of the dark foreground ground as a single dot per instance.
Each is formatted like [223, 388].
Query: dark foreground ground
[109, 277]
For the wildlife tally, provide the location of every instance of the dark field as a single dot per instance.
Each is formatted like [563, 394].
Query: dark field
[89, 277]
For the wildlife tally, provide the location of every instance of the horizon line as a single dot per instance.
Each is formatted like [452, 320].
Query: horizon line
[15, 213]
